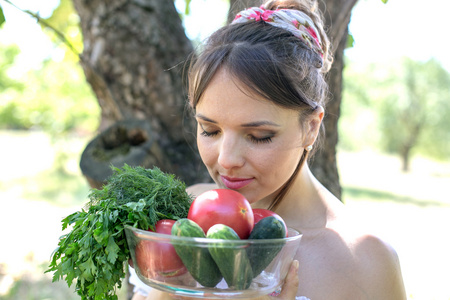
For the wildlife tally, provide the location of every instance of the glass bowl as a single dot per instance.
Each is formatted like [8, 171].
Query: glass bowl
[243, 269]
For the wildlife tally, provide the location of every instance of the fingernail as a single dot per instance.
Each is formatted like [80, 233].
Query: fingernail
[295, 264]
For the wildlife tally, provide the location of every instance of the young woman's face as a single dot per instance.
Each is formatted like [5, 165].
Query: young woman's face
[247, 143]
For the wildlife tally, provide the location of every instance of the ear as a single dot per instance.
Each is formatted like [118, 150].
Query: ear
[313, 126]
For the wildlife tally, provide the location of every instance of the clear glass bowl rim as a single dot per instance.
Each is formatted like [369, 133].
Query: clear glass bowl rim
[167, 238]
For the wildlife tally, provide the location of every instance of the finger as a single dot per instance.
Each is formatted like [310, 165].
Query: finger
[290, 286]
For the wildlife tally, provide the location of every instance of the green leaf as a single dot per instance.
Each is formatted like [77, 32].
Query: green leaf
[384, 1]
[88, 269]
[187, 9]
[2, 17]
[350, 41]
[58, 275]
[111, 250]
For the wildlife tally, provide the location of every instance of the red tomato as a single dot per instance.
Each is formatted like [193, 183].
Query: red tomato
[157, 259]
[222, 206]
[164, 226]
[260, 213]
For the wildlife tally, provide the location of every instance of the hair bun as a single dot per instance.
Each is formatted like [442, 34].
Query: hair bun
[310, 8]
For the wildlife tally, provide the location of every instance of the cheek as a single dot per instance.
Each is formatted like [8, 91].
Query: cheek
[207, 152]
[279, 166]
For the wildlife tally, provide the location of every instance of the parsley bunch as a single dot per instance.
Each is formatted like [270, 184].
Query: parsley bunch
[95, 251]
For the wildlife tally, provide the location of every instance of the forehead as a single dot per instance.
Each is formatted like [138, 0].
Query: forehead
[228, 98]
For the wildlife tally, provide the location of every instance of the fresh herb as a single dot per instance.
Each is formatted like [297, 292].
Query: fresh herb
[95, 251]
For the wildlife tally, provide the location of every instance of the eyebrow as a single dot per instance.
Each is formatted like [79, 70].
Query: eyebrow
[251, 124]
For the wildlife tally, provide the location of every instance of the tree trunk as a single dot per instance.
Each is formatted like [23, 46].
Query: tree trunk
[410, 140]
[134, 51]
[337, 17]
[323, 164]
[405, 154]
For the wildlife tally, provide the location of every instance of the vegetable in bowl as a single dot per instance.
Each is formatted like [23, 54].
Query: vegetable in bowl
[94, 252]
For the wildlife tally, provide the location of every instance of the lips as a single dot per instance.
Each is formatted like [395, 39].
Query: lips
[235, 183]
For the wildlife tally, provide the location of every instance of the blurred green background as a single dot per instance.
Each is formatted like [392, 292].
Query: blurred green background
[393, 153]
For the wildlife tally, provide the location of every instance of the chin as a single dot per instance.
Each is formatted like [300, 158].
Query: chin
[252, 199]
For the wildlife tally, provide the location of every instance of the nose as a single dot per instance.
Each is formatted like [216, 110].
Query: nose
[231, 152]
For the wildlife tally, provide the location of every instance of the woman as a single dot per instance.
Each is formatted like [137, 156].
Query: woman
[258, 94]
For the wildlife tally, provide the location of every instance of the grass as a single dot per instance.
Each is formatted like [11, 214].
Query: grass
[32, 286]
[409, 210]
[55, 187]
[357, 194]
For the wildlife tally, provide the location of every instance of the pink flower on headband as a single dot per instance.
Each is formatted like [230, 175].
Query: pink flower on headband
[265, 16]
[294, 21]
[257, 15]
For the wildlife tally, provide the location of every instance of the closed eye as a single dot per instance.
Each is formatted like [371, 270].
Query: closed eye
[264, 140]
[209, 134]
[256, 140]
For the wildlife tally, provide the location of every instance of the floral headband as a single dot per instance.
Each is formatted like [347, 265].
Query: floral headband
[294, 21]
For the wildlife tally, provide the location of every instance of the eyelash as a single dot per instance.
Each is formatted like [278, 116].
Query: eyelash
[265, 140]
[209, 134]
[252, 138]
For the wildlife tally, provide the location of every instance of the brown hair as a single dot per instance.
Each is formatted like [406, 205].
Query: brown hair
[271, 62]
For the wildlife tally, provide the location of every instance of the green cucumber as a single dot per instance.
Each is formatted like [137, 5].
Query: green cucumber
[232, 261]
[197, 260]
[260, 255]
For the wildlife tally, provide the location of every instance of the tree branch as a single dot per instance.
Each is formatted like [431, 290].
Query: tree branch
[43, 22]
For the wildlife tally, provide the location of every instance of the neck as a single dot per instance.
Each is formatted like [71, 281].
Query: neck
[305, 206]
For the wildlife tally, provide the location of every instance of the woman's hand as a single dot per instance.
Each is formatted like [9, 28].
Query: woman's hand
[290, 286]
[288, 290]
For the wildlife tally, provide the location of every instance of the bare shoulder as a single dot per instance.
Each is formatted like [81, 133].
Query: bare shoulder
[373, 253]
[199, 188]
[350, 265]
[380, 265]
